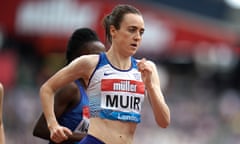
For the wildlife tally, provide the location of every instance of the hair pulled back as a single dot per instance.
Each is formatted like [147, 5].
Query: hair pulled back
[115, 18]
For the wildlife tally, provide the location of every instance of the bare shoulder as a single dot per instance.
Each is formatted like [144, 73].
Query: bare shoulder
[87, 59]
[85, 64]
[82, 67]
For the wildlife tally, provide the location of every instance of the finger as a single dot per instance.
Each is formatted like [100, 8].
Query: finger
[140, 66]
[54, 136]
[61, 134]
[143, 60]
[56, 139]
[67, 131]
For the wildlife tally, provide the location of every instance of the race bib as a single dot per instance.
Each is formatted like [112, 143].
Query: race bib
[121, 99]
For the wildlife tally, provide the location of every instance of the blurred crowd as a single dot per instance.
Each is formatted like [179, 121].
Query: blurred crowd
[201, 88]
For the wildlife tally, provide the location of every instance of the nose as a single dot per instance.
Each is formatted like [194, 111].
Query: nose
[137, 36]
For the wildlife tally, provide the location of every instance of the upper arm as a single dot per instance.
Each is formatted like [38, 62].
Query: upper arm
[81, 67]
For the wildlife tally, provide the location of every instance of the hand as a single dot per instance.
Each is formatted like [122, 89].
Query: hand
[59, 133]
[146, 70]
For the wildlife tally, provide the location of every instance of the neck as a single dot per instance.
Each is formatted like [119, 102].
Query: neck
[119, 61]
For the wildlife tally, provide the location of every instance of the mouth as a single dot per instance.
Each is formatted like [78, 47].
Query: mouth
[134, 45]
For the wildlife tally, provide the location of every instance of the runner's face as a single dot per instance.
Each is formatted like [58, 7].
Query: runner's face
[128, 38]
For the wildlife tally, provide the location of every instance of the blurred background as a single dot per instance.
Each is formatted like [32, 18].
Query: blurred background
[194, 43]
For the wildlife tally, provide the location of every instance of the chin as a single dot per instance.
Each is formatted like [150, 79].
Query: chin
[132, 53]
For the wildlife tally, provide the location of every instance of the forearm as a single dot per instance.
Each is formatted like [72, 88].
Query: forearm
[47, 101]
[160, 108]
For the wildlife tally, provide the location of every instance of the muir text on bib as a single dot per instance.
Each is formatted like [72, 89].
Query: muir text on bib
[121, 99]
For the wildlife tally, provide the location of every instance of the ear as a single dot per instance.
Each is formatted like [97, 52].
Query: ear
[112, 30]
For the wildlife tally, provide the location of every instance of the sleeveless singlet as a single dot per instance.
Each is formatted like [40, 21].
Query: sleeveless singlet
[77, 118]
[116, 94]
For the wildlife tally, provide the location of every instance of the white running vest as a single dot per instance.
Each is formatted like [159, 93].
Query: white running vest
[116, 94]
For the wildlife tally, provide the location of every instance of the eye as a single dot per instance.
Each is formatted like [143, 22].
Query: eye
[131, 30]
[136, 30]
[141, 32]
